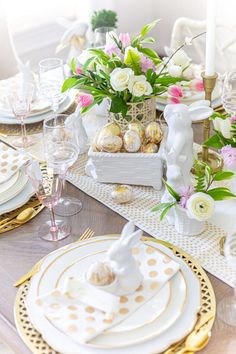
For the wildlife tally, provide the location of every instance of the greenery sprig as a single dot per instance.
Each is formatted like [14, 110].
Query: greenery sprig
[103, 18]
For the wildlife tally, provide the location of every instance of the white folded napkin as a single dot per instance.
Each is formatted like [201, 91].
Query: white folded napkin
[10, 162]
[81, 318]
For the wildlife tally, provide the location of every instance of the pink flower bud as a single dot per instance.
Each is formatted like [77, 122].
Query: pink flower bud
[125, 39]
[175, 100]
[175, 91]
[78, 71]
[84, 99]
[197, 85]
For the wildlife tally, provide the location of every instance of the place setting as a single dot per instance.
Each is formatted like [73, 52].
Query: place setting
[118, 187]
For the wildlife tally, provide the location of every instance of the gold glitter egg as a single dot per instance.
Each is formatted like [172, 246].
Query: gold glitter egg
[139, 128]
[110, 143]
[149, 148]
[132, 141]
[111, 129]
[122, 194]
[153, 132]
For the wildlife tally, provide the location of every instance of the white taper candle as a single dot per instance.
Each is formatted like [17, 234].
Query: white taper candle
[210, 38]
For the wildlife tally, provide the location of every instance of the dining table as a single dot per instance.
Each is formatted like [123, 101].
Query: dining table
[20, 249]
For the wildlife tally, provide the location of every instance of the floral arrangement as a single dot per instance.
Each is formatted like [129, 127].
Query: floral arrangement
[224, 138]
[124, 72]
[103, 18]
[198, 201]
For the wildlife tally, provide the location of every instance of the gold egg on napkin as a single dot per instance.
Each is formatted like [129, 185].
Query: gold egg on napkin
[149, 148]
[153, 132]
[139, 128]
[111, 129]
[110, 143]
[100, 274]
[132, 141]
[122, 194]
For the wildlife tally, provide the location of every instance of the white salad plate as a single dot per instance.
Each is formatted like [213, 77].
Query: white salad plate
[19, 200]
[163, 320]
[39, 116]
[18, 185]
[5, 186]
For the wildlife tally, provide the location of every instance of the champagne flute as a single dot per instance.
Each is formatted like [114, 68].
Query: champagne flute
[48, 190]
[20, 97]
[229, 93]
[61, 152]
[51, 78]
[226, 309]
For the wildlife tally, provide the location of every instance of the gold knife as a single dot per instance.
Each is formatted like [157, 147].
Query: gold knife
[16, 213]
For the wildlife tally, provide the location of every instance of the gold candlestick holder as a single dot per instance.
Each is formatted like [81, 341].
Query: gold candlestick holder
[212, 159]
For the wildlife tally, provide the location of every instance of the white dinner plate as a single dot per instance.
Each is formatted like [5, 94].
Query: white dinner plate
[19, 200]
[4, 186]
[15, 189]
[66, 103]
[47, 279]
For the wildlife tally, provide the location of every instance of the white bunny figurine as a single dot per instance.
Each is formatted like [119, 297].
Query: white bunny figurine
[179, 118]
[74, 36]
[76, 122]
[123, 262]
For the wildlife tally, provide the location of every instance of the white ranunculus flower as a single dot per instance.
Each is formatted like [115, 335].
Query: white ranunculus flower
[175, 70]
[181, 58]
[120, 78]
[200, 206]
[139, 86]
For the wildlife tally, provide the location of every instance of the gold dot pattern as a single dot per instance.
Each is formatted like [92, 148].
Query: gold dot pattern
[140, 288]
[123, 299]
[5, 156]
[72, 308]
[108, 321]
[4, 170]
[153, 274]
[89, 309]
[55, 306]
[150, 250]
[90, 330]
[123, 311]
[72, 328]
[166, 259]
[73, 316]
[135, 250]
[90, 318]
[5, 148]
[4, 163]
[169, 271]
[151, 262]
[39, 302]
[154, 285]
[56, 293]
[139, 299]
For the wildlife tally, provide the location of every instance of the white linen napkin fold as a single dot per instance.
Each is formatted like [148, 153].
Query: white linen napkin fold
[10, 162]
[76, 311]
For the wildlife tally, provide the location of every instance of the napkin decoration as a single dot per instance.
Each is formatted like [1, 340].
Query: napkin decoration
[10, 162]
[76, 309]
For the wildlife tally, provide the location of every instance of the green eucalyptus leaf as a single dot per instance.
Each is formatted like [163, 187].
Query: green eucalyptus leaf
[147, 28]
[132, 60]
[223, 175]
[118, 105]
[168, 80]
[69, 83]
[86, 65]
[171, 191]
[165, 211]
[220, 193]
[160, 206]
[214, 141]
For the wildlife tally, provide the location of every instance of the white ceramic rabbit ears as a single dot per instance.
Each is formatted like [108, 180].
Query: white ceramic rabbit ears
[197, 111]
[129, 236]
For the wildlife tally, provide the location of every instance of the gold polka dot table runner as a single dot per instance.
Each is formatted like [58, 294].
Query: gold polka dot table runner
[10, 162]
[157, 269]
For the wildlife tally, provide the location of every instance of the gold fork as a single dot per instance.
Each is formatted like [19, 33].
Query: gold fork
[87, 234]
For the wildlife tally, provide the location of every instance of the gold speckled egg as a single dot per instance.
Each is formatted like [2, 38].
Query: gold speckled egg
[111, 129]
[139, 128]
[153, 132]
[122, 194]
[149, 148]
[110, 143]
[132, 141]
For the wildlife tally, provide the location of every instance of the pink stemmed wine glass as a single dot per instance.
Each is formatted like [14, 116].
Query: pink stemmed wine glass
[48, 191]
[20, 98]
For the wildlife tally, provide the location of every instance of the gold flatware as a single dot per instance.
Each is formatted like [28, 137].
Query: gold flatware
[196, 341]
[87, 234]
[17, 212]
[22, 217]
[203, 320]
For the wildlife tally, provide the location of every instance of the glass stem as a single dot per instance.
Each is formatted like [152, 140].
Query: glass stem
[55, 106]
[23, 132]
[53, 227]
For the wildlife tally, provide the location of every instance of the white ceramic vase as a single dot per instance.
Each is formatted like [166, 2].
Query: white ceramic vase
[185, 225]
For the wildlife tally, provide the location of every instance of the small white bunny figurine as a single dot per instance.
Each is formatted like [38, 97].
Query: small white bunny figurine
[75, 121]
[179, 118]
[123, 262]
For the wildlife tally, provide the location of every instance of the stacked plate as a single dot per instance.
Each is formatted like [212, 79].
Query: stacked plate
[166, 318]
[15, 187]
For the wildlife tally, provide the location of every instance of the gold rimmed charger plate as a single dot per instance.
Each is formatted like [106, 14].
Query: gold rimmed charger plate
[37, 345]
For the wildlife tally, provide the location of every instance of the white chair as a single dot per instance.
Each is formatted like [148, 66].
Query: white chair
[8, 59]
[225, 42]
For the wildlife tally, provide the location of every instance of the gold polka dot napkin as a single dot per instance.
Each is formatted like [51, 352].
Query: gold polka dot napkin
[10, 162]
[82, 320]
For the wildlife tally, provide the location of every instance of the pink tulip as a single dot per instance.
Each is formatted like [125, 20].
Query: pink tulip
[78, 71]
[232, 119]
[125, 39]
[175, 91]
[175, 100]
[146, 63]
[112, 49]
[229, 155]
[197, 85]
[84, 99]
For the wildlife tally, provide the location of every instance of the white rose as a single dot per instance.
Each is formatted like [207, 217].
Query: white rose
[200, 206]
[139, 86]
[175, 70]
[120, 78]
[181, 58]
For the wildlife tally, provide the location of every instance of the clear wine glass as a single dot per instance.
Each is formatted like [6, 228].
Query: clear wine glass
[61, 151]
[100, 36]
[20, 97]
[226, 309]
[51, 78]
[229, 93]
[48, 191]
